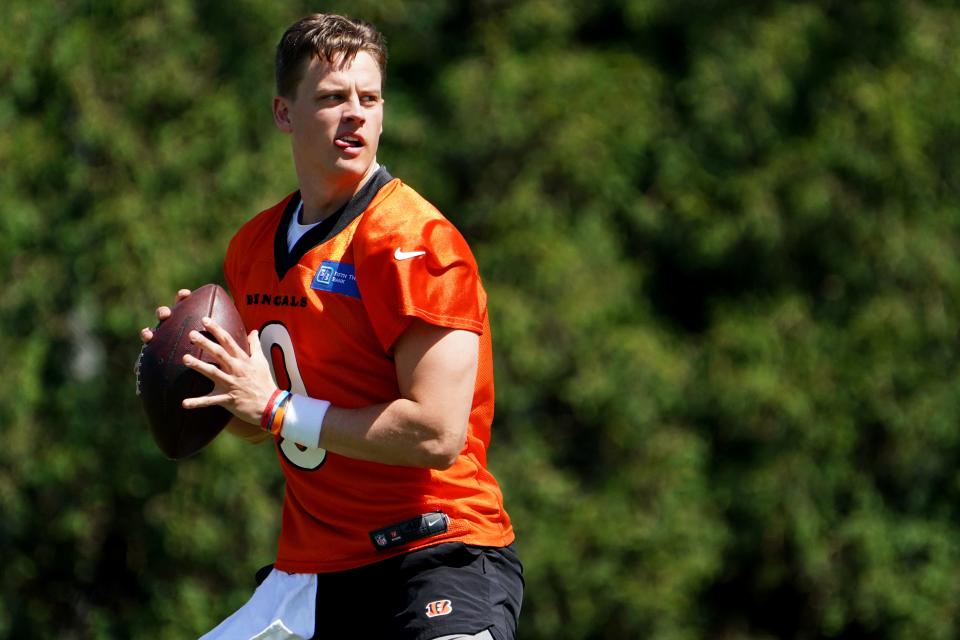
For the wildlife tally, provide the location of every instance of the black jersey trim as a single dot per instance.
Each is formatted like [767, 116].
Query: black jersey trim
[333, 224]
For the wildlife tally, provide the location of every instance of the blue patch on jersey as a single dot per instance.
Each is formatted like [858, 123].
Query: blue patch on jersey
[336, 277]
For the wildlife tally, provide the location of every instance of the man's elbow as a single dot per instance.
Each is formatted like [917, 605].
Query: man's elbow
[441, 452]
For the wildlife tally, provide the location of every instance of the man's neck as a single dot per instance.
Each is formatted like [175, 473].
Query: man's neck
[321, 198]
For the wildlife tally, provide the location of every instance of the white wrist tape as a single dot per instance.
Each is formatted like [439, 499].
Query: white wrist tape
[304, 420]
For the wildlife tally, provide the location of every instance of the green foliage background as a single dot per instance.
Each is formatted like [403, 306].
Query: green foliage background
[720, 241]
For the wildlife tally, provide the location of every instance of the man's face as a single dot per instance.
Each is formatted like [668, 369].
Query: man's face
[335, 119]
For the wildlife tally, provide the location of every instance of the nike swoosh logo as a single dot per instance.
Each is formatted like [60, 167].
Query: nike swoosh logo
[431, 522]
[406, 255]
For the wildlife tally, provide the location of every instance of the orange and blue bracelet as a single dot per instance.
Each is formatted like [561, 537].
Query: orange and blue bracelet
[276, 421]
[270, 411]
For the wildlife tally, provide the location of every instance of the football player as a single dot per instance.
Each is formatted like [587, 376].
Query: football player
[371, 372]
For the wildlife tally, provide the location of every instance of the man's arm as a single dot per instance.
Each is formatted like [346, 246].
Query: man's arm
[426, 427]
[250, 432]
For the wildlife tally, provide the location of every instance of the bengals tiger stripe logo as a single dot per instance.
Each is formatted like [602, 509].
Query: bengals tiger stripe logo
[439, 608]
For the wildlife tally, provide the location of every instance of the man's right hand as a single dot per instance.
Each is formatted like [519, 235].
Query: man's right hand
[146, 334]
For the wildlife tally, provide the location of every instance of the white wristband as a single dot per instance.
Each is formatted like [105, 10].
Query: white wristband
[304, 420]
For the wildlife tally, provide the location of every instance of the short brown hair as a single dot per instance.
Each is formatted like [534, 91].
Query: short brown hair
[324, 36]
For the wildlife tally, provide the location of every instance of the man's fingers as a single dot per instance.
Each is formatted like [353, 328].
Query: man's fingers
[225, 339]
[253, 343]
[164, 312]
[209, 346]
[206, 401]
[213, 372]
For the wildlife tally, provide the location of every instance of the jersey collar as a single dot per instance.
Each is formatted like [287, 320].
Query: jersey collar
[330, 226]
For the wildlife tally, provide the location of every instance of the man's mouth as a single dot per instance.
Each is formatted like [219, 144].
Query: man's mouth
[348, 141]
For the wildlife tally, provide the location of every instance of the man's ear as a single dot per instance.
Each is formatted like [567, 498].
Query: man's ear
[281, 114]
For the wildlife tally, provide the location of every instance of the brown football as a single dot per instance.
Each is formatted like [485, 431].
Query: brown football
[163, 381]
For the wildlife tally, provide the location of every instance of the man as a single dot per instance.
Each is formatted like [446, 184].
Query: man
[366, 305]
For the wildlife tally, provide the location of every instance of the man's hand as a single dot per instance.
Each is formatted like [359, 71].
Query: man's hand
[146, 334]
[243, 383]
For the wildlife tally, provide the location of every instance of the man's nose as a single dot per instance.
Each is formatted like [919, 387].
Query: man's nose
[353, 111]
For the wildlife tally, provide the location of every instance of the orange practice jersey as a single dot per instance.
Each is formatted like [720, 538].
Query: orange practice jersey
[329, 313]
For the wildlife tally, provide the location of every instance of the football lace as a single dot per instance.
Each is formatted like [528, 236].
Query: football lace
[136, 367]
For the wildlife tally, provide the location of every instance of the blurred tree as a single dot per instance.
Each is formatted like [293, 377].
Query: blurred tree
[719, 242]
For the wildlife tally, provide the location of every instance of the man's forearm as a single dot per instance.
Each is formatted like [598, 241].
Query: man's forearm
[401, 432]
[250, 432]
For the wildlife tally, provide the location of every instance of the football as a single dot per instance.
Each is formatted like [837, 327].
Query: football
[163, 381]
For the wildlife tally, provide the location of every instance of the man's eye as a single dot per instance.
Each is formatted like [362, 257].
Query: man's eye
[369, 99]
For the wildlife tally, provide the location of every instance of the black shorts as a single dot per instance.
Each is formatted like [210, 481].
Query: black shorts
[443, 590]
